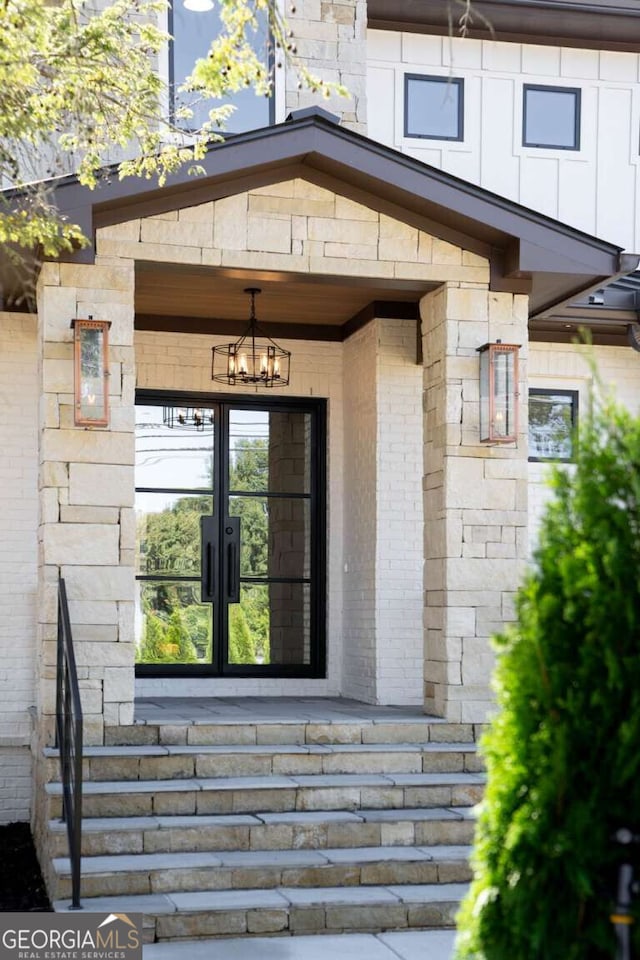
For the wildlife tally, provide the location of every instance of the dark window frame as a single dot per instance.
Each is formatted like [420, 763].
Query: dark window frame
[271, 65]
[575, 399]
[317, 407]
[458, 82]
[550, 88]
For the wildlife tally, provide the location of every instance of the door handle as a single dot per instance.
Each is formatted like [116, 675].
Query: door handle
[208, 585]
[232, 543]
[210, 569]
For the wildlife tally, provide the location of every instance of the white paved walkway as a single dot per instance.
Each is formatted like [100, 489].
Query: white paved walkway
[409, 945]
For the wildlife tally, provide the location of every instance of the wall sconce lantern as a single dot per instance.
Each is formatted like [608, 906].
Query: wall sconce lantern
[253, 359]
[499, 392]
[91, 372]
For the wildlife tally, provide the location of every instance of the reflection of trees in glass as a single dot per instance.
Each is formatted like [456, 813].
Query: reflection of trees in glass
[169, 542]
[177, 627]
[248, 471]
[91, 352]
[551, 426]
[166, 641]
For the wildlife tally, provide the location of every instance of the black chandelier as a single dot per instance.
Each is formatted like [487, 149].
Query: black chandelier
[253, 359]
[194, 417]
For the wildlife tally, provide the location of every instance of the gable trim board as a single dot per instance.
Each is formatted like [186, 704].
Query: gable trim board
[555, 261]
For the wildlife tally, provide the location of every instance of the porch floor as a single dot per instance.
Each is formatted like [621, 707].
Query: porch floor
[167, 710]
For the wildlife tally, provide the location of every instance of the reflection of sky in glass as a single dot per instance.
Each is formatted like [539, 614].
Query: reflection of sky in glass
[432, 108]
[177, 456]
[550, 118]
[181, 456]
[193, 33]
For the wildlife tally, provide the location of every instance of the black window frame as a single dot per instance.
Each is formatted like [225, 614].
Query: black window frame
[575, 399]
[458, 82]
[271, 65]
[218, 668]
[549, 88]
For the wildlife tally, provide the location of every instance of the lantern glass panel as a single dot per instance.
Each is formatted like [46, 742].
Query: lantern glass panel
[91, 373]
[504, 395]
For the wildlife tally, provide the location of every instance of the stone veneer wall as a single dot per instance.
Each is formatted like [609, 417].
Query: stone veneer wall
[475, 498]
[330, 39]
[18, 557]
[86, 531]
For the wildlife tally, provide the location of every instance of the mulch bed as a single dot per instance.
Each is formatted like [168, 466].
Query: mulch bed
[21, 885]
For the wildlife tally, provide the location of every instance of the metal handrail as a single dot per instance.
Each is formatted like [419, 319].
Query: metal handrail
[69, 740]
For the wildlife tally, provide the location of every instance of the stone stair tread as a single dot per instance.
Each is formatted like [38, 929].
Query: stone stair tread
[309, 817]
[273, 782]
[417, 813]
[429, 892]
[280, 897]
[96, 824]
[125, 863]
[425, 944]
[157, 750]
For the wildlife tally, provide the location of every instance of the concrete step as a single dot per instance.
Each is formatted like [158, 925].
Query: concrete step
[196, 733]
[146, 873]
[272, 794]
[186, 762]
[313, 830]
[404, 945]
[286, 910]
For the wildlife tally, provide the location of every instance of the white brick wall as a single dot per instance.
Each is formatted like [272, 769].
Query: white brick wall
[359, 654]
[592, 188]
[564, 366]
[399, 546]
[18, 556]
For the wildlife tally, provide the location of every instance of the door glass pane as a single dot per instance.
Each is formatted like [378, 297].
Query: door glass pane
[168, 533]
[275, 536]
[289, 623]
[171, 625]
[271, 624]
[173, 450]
[269, 451]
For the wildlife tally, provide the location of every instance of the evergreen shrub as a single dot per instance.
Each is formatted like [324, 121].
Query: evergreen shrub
[563, 751]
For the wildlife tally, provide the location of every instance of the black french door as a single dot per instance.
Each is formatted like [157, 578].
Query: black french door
[230, 533]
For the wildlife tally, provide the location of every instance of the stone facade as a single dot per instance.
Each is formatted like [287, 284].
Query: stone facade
[330, 40]
[475, 498]
[86, 532]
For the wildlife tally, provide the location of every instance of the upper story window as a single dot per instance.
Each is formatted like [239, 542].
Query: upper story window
[551, 117]
[553, 417]
[192, 31]
[433, 107]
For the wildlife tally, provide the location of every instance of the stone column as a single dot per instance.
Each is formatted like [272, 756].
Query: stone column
[330, 39]
[475, 498]
[86, 478]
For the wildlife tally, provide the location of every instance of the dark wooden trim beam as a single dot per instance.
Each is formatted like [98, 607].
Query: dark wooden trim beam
[570, 336]
[217, 326]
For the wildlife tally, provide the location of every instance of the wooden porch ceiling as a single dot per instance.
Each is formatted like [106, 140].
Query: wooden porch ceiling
[211, 300]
